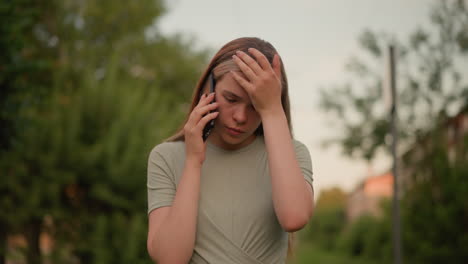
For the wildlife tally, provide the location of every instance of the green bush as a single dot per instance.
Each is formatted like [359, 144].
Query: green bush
[435, 206]
[328, 219]
[325, 227]
[367, 237]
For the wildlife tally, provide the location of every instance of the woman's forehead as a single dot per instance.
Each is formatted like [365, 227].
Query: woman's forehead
[225, 67]
[229, 84]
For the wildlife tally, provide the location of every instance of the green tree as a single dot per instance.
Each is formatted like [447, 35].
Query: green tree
[435, 208]
[80, 160]
[431, 83]
[329, 218]
[331, 198]
[108, 130]
[25, 70]
[368, 236]
[25, 81]
[432, 86]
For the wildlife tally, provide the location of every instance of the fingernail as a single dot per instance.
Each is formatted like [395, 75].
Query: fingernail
[238, 52]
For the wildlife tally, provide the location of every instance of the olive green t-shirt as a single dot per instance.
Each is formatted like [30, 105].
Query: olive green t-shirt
[236, 220]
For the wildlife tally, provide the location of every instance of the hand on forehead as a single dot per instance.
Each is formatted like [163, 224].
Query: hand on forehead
[252, 65]
[227, 84]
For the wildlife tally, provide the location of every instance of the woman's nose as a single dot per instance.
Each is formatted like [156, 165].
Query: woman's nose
[240, 115]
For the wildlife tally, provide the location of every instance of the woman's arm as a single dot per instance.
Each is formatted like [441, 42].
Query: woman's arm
[292, 195]
[171, 234]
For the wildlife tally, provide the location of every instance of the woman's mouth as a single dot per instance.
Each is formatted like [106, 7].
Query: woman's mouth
[234, 131]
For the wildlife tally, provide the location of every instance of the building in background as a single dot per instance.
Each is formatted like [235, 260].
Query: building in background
[367, 197]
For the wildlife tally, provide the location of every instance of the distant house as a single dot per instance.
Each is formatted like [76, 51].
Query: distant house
[366, 198]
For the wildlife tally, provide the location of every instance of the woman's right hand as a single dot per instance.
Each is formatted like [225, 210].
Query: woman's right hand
[195, 147]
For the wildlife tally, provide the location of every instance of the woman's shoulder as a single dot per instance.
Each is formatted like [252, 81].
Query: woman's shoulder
[300, 148]
[169, 148]
[298, 144]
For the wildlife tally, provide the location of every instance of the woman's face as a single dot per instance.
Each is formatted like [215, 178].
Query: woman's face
[237, 120]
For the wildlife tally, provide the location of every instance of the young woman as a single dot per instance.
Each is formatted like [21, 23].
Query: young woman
[234, 197]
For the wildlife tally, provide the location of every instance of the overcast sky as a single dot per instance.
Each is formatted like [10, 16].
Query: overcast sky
[315, 40]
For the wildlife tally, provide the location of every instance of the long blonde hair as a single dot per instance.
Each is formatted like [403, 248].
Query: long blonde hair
[220, 64]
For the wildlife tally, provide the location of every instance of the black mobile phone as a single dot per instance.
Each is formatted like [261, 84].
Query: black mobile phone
[210, 125]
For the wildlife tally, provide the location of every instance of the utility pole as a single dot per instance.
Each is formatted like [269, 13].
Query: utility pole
[397, 249]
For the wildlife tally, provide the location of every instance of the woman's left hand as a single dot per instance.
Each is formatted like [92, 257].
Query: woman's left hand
[263, 83]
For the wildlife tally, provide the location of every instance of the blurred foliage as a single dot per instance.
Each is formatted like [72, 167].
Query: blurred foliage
[328, 220]
[308, 253]
[333, 198]
[326, 225]
[435, 207]
[368, 236]
[25, 68]
[87, 89]
[431, 83]
[25, 78]
[432, 87]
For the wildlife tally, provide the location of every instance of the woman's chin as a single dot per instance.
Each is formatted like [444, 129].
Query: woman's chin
[237, 141]
[227, 139]
[232, 141]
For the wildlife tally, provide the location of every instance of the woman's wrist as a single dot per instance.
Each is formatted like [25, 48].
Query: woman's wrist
[193, 162]
[272, 113]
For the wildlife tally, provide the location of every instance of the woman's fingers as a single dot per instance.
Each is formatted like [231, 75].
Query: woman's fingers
[244, 67]
[200, 111]
[262, 60]
[277, 65]
[242, 82]
[202, 123]
[259, 68]
[205, 99]
[203, 96]
[202, 108]
[250, 62]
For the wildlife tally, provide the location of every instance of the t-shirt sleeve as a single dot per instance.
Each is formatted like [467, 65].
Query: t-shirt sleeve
[160, 179]
[304, 160]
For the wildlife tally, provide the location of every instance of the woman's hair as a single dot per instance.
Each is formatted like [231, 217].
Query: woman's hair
[222, 63]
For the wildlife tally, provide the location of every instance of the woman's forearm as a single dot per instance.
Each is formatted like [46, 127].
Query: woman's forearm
[175, 239]
[291, 197]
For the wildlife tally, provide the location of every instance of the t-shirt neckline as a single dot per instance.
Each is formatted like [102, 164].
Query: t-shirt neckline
[216, 148]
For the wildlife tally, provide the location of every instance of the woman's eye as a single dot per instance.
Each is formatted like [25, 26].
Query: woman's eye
[230, 100]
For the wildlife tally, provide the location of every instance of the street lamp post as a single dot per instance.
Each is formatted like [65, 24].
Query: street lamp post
[397, 249]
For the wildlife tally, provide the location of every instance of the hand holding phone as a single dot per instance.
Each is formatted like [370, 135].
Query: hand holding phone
[194, 129]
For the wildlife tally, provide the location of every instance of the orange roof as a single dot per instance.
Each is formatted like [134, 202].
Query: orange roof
[379, 186]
